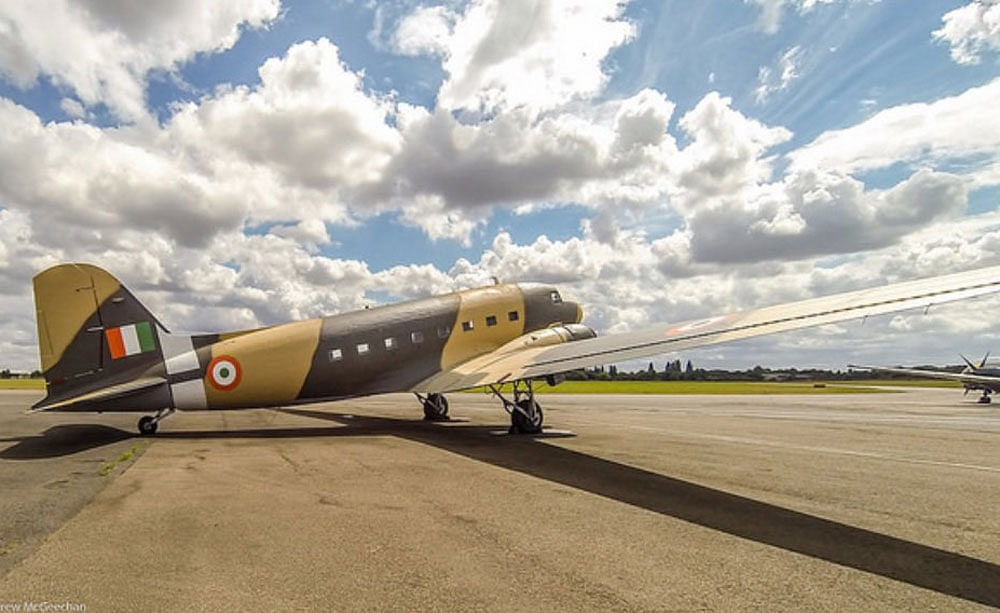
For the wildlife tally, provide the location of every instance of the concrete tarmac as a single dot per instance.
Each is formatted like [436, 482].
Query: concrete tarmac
[677, 503]
[50, 467]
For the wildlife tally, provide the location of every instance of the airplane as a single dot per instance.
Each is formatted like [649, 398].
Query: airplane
[973, 377]
[102, 350]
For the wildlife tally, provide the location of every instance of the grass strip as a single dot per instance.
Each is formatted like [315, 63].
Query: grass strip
[22, 384]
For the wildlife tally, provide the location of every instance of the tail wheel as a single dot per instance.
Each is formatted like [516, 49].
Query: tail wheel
[527, 417]
[147, 425]
[436, 407]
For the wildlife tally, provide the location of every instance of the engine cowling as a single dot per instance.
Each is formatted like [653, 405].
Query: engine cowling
[553, 335]
[559, 334]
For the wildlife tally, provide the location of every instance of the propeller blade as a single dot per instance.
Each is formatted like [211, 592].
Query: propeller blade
[985, 357]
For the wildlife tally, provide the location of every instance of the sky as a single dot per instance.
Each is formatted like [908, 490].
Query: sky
[256, 161]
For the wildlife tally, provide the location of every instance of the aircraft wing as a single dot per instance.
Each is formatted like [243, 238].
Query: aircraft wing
[935, 374]
[520, 359]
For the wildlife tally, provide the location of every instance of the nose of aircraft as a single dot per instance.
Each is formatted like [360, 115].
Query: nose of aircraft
[578, 312]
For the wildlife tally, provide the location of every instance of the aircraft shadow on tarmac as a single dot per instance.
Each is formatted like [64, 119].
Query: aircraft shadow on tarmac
[919, 565]
[913, 563]
[62, 440]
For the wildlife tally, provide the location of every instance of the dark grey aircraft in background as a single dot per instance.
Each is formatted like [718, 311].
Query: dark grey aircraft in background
[974, 377]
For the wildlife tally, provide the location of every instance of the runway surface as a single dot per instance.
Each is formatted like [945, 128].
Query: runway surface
[840, 502]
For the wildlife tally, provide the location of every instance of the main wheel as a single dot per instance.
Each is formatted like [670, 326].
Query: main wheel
[526, 420]
[147, 426]
[985, 400]
[436, 407]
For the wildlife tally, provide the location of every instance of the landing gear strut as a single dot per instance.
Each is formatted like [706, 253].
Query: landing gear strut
[435, 407]
[985, 398]
[147, 424]
[525, 414]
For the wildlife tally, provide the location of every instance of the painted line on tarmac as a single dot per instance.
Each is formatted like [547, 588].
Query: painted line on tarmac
[961, 422]
[829, 450]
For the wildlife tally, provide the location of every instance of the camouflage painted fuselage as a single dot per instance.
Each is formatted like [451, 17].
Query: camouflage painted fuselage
[92, 338]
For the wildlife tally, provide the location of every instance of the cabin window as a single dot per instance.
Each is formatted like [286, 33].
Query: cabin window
[467, 326]
[512, 316]
[491, 320]
[363, 348]
[390, 343]
[556, 298]
[416, 337]
[336, 354]
[443, 331]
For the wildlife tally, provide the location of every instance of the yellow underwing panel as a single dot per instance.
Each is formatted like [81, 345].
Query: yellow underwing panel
[476, 306]
[273, 364]
[66, 296]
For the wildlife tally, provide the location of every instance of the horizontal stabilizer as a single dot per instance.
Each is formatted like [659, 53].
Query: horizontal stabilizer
[110, 392]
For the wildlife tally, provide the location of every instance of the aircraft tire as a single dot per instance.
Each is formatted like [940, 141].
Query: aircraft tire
[147, 426]
[521, 423]
[436, 408]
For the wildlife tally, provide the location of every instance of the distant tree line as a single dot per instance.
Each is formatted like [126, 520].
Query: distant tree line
[672, 371]
[7, 373]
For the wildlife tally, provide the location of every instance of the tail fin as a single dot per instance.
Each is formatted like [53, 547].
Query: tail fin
[92, 332]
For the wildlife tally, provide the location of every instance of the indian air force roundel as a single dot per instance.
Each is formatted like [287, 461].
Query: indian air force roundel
[224, 373]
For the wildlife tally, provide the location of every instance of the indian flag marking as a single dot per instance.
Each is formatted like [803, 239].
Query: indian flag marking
[130, 340]
[224, 373]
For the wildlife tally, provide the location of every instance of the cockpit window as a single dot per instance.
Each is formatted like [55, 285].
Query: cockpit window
[556, 298]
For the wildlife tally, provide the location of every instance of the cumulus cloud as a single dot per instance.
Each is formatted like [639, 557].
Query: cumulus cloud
[537, 54]
[812, 214]
[310, 233]
[618, 152]
[309, 119]
[271, 278]
[220, 216]
[962, 127]
[103, 51]
[506, 159]
[73, 108]
[448, 169]
[971, 30]
[290, 150]
[430, 214]
[726, 151]
[308, 143]
[425, 31]
[124, 184]
[19, 252]
[622, 287]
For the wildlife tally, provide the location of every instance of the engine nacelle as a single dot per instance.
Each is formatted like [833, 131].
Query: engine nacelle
[558, 334]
